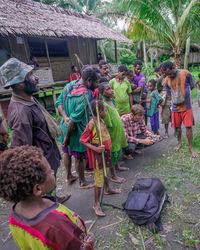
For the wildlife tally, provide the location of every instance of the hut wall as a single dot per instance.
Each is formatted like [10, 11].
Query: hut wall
[193, 59]
[61, 67]
[18, 49]
[84, 48]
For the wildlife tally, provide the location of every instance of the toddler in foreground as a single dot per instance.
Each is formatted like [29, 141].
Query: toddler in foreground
[90, 140]
[37, 222]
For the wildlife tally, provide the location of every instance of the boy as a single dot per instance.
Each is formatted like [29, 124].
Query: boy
[90, 140]
[75, 75]
[114, 125]
[152, 103]
[197, 85]
[122, 90]
[37, 222]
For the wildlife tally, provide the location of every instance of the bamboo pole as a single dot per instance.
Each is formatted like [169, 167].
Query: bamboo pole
[99, 125]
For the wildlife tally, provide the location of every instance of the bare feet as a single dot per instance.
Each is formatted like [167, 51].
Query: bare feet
[119, 169]
[98, 211]
[112, 191]
[117, 179]
[194, 154]
[71, 179]
[86, 185]
[178, 147]
[128, 157]
[166, 136]
[63, 198]
[138, 152]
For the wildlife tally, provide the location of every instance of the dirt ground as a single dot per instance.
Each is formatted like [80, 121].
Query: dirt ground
[181, 218]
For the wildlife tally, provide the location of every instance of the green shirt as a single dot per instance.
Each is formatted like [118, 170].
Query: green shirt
[115, 128]
[122, 91]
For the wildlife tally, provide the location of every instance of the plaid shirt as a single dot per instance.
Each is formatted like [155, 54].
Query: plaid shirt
[132, 129]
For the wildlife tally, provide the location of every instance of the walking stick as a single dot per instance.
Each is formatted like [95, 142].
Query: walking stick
[100, 137]
[98, 134]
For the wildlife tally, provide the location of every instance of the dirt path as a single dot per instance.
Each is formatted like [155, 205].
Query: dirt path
[181, 218]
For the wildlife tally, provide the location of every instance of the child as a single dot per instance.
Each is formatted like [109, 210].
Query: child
[3, 137]
[197, 85]
[75, 75]
[122, 90]
[152, 103]
[114, 125]
[37, 222]
[90, 140]
[129, 75]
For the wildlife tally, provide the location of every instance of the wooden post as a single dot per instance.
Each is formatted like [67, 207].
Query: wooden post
[47, 52]
[116, 59]
[187, 53]
[26, 51]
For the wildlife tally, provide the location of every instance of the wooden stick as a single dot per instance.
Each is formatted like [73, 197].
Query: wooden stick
[141, 238]
[99, 125]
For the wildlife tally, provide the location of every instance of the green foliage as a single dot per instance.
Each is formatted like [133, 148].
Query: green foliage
[127, 58]
[164, 57]
[163, 21]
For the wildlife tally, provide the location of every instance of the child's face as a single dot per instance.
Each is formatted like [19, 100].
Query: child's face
[150, 86]
[129, 77]
[49, 183]
[138, 69]
[102, 113]
[121, 75]
[108, 91]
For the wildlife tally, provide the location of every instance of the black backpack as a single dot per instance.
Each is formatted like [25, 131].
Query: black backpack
[145, 203]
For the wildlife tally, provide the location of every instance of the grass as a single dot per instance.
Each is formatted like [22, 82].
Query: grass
[181, 219]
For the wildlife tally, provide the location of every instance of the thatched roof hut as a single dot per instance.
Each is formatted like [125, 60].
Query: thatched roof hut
[58, 37]
[26, 17]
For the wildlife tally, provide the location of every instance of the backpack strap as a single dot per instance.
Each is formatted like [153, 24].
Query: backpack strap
[179, 80]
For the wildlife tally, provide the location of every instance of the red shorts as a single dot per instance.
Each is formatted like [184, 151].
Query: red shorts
[185, 116]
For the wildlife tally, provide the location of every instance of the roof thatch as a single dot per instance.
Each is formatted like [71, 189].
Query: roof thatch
[26, 17]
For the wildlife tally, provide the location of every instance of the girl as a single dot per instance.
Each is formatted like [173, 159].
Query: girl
[152, 103]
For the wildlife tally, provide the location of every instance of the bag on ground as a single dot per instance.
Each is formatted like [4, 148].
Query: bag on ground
[145, 203]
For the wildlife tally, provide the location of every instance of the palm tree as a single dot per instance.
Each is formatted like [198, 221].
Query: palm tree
[169, 22]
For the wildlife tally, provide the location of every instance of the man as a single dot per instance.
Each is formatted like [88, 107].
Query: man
[103, 67]
[34, 62]
[30, 123]
[138, 86]
[75, 75]
[178, 85]
[73, 106]
[136, 132]
[165, 108]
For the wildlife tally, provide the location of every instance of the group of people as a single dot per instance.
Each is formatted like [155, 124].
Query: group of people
[101, 118]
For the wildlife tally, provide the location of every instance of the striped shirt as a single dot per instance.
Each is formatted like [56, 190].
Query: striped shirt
[186, 84]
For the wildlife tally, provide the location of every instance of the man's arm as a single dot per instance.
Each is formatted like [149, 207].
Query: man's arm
[190, 80]
[144, 130]
[21, 123]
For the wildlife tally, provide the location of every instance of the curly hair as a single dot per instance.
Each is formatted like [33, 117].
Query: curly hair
[100, 106]
[20, 169]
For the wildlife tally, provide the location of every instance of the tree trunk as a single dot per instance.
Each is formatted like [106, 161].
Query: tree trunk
[145, 55]
[187, 53]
